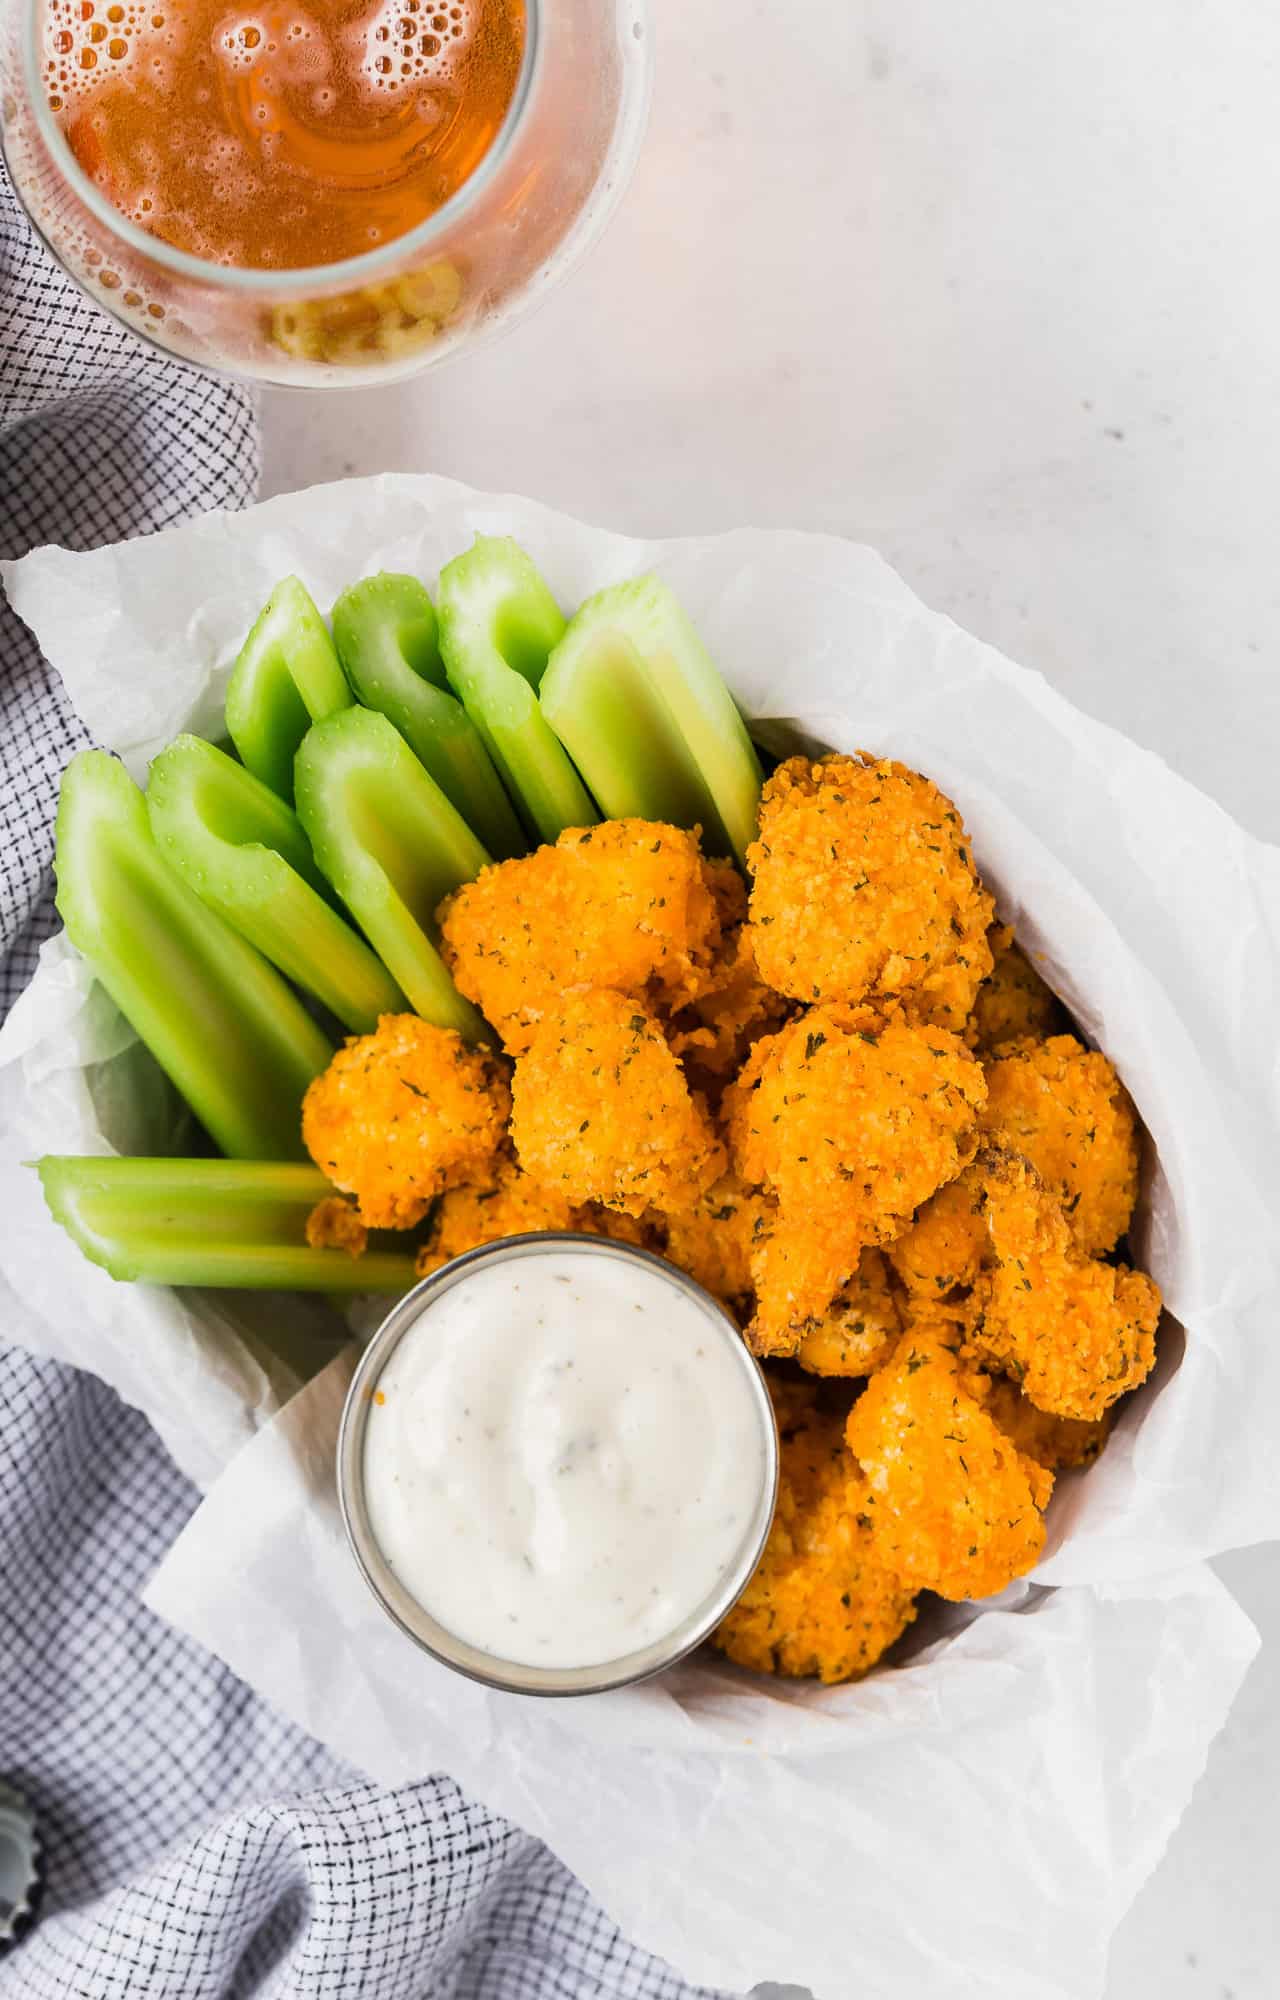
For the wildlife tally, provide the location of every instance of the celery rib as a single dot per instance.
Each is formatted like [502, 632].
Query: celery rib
[287, 676]
[208, 1222]
[238, 1045]
[244, 853]
[498, 624]
[634, 694]
[386, 634]
[393, 847]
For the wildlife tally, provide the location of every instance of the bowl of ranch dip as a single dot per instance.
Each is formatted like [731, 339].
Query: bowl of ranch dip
[558, 1464]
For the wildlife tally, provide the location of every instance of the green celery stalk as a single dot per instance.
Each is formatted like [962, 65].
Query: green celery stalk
[237, 1043]
[244, 853]
[633, 693]
[393, 847]
[288, 675]
[498, 624]
[208, 1222]
[385, 631]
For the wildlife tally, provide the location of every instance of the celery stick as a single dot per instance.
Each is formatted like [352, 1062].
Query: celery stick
[287, 676]
[634, 694]
[244, 853]
[385, 631]
[498, 623]
[236, 1042]
[393, 847]
[208, 1222]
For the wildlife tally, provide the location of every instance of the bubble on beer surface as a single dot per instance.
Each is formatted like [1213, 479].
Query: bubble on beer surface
[80, 34]
[85, 41]
[399, 46]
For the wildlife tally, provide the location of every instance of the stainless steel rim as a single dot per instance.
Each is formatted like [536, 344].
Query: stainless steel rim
[511, 1676]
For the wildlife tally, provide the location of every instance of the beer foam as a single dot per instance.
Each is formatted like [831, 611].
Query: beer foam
[398, 46]
[402, 44]
[88, 41]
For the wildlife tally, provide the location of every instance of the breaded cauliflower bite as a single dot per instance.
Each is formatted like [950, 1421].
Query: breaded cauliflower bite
[1075, 1334]
[402, 1114]
[1056, 1442]
[642, 1232]
[717, 1031]
[333, 1224]
[1013, 1003]
[712, 1240]
[629, 905]
[505, 1203]
[850, 1127]
[864, 889]
[1063, 1107]
[955, 1506]
[821, 1602]
[601, 1110]
[860, 1328]
[941, 1256]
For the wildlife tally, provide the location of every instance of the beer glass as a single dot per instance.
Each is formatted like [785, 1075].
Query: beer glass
[532, 206]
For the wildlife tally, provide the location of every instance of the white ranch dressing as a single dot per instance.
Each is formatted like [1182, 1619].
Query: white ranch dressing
[563, 1458]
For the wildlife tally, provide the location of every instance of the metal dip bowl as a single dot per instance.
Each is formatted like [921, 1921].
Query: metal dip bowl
[512, 1676]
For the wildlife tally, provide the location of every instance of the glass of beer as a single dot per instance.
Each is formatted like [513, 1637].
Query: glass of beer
[320, 192]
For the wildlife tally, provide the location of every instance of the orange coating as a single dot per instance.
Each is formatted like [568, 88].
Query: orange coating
[1055, 1442]
[956, 1507]
[1013, 1003]
[505, 1203]
[1063, 1107]
[402, 1114]
[333, 1224]
[940, 1256]
[864, 888]
[1074, 1333]
[601, 1110]
[851, 1127]
[821, 1601]
[712, 1239]
[629, 905]
[860, 1328]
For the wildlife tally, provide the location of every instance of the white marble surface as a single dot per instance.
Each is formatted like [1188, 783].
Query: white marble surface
[997, 290]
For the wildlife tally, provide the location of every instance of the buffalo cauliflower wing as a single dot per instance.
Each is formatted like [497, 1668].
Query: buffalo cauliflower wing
[504, 1203]
[1013, 1003]
[1063, 1107]
[850, 1123]
[334, 1224]
[821, 1601]
[1056, 1442]
[860, 1328]
[941, 1256]
[956, 1507]
[712, 1240]
[629, 905]
[601, 1110]
[715, 1033]
[1074, 1333]
[864, 889]
[402, 1114]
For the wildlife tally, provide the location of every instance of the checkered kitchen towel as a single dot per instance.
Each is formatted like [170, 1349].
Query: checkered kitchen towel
[197, 1845]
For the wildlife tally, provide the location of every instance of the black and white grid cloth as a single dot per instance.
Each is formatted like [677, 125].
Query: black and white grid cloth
[197, 1845]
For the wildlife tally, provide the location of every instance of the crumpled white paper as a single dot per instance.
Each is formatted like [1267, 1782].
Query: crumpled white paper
[972, 1824]
[977, 1821]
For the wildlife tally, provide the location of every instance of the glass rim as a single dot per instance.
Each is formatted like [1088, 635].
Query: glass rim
[352, 272]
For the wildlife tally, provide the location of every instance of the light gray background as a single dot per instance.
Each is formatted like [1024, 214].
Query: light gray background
[996, 289]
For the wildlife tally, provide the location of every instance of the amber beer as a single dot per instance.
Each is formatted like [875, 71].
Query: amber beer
[320, 192]
[281, 136]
